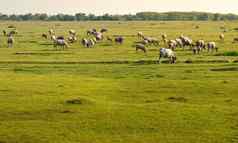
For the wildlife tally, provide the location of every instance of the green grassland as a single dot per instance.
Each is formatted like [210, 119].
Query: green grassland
[111, 93]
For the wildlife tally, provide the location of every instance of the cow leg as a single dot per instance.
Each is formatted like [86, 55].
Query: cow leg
[159, 59]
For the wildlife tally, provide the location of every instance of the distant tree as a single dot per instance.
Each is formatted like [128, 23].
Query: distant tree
[203, 17]
[80, 16]
[167, 16]
[3, 16]
[43, 16]
[14, 17]
[217, 17]
[67, 17]
[26, 17]
[92, 17]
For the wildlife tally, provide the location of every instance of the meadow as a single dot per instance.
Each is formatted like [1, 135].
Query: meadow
[111, 93]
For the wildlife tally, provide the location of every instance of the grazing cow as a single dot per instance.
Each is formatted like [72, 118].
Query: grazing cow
[91, 32]
[44, 36]
[84, 42]
[4, 33]
[222, 37]
[140, 35]
[172, 44]
[186, 41]
[88, 43]
[179, 42]
[167, 53]
[119, 40]
[51, 32]
[164, 37]
[155, 41]
[98, 36]
[72, 32]
[144, 42]
[103, 30]
[13, 32]
[94, 30]
[198, 46]
[72, 39]
[140, 47]
[196, 49]
[201, 44]
[53, 37]
[152, 40]
[60, 37]
[10, 41]
[61, 42]
[211, 46]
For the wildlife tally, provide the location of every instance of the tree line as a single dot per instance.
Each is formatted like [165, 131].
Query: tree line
[141, 16]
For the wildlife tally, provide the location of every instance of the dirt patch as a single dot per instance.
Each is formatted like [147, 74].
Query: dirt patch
[77, 101]
[74, 101]
[189, 61]
[228, 100]
[152, 101]
[177, 99]
[66, 111]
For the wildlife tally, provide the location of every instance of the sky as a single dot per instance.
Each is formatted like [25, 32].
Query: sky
[100, 7]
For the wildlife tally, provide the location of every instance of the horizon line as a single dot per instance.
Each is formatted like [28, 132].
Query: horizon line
[87, 13]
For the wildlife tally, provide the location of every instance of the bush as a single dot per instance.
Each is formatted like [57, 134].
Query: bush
[232, 53]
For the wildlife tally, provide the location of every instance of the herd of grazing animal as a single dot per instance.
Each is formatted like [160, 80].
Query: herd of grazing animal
[181, 42]
[95, 36]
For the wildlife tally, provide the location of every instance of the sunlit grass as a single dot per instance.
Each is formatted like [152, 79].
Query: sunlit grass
[111, 93]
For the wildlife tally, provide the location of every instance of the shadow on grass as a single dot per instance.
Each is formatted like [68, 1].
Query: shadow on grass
[225, 69]
[177, 99]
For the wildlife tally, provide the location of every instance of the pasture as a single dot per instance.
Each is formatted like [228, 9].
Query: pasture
[111, 93]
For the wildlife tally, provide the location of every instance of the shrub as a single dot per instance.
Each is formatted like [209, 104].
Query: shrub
[232, 53]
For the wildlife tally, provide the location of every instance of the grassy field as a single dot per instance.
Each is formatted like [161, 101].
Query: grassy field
[112, 94]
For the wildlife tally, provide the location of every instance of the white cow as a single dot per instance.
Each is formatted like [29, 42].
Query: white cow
[72, 32]
[211, 46]
[59, 41]
[167, 53]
